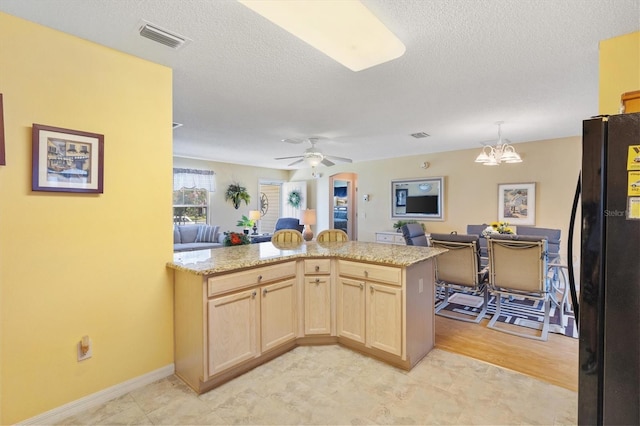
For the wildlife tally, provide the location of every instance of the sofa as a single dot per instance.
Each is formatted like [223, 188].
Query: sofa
[288, 223]
[196, 237]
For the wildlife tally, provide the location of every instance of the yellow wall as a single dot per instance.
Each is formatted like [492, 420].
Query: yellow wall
[75, 264]
[619, 70]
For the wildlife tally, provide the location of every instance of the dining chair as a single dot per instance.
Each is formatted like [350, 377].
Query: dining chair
[287, 236]
[558, 269]
[518, 269]
[414, 235]
[459, 269]
[332, 235]
[482, 242]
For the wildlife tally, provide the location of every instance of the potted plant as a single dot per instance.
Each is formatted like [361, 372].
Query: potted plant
[398, 225]
[246, 222]
[237, 193]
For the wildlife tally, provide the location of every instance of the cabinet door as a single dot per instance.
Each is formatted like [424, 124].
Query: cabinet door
[233, 327]
[278, 314]
[317, 305]
[351, 319]
[384, 318]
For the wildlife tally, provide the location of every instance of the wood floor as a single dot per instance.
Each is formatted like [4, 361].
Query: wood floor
[554, 361]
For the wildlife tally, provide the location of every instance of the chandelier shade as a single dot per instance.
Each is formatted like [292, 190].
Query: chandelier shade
[502, 152]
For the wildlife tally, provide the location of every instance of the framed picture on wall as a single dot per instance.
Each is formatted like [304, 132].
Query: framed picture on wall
[401, 197]
[3, 160]
[517, 203]
[66, 160]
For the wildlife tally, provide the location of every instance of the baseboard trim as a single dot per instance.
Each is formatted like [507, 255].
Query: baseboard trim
[74, 407]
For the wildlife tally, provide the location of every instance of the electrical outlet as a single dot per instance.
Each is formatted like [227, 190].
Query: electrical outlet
[88, 354]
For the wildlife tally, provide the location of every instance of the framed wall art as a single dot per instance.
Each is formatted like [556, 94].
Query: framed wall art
[67, 160]
[3, 160]
[517, 203]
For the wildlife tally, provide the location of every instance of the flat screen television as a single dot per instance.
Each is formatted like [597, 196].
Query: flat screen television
[423, 204]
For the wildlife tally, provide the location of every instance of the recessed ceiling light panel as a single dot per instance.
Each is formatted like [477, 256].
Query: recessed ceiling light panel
[346, 31]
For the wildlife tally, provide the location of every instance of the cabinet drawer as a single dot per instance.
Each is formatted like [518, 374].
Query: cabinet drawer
[317, 266]
[365, 271]
[250, 277]
[385, 238]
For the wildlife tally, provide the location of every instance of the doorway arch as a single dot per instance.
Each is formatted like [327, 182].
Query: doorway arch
[343, 188]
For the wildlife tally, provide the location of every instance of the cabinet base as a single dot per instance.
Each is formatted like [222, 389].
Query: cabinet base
[240, 369]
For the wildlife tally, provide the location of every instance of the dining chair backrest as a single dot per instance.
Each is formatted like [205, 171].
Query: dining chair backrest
[482, 242]
[287, 236]
[518, 263]
[414, 235]
[460, 265]
[332, 235]
[552, 236]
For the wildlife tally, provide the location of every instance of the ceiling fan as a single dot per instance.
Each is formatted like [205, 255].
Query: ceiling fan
[313, 156]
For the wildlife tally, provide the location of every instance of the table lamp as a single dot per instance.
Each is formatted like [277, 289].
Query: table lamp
[254, 215]
[308, 219]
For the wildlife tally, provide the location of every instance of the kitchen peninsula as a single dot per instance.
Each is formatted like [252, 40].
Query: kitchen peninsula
[238, 307]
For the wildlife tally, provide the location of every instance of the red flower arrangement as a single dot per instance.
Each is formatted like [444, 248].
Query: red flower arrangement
[236, 239]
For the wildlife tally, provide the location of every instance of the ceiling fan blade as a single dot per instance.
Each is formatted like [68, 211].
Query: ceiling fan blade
[296, 162]
[288, 158]
[293, 140]
[346, 160]
[326, 162]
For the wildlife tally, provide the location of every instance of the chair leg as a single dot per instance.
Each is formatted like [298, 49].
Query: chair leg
[476, 319]
[545, 324]
[445, 300]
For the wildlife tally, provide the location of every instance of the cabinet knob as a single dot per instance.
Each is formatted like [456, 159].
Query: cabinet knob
[259, 277]
[317, 281]
[264, 292]
[254, 294]
[366, 274]
[317, 268]
[372, 289]
[361, 286]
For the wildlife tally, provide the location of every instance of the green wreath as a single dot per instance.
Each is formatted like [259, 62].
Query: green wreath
[294, 199]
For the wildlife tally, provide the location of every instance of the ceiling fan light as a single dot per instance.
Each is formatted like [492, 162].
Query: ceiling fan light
[313, 160]
[346, 31]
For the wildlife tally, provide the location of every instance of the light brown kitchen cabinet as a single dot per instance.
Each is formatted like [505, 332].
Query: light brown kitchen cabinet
[277, 314]
[370, 312]
[317, 297]
[351, 309]
[232, 329]
[228, 322]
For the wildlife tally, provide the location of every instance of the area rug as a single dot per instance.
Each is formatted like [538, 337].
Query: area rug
[519, 311]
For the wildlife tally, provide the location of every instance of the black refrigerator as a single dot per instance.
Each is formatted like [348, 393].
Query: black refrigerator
[609, 302]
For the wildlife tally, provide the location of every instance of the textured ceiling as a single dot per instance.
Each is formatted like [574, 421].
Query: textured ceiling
[244, 84]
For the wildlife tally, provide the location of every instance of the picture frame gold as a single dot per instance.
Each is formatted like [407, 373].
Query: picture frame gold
[3, 158]
[65, 160]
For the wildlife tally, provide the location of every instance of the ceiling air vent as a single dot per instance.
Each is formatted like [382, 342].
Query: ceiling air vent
[420, 135]
[162, 36]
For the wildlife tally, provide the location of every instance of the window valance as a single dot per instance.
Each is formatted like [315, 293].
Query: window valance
[194, 178]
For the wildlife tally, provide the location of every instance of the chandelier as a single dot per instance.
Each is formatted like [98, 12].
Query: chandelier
[500, 153]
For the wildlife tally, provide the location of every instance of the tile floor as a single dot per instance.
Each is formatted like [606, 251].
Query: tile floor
[332, 385]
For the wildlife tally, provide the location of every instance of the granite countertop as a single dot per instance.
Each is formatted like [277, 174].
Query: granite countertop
[225, 259]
